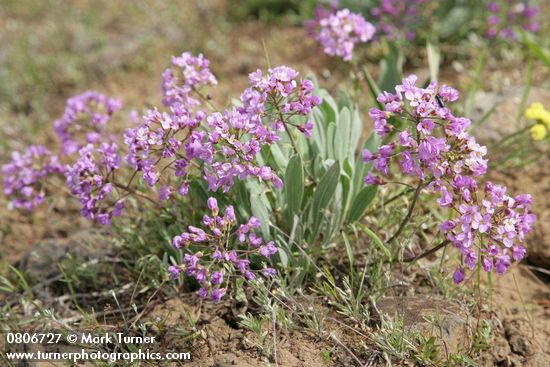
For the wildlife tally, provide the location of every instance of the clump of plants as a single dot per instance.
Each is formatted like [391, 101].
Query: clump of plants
[169, 150]
[279, 150]
[432, 145]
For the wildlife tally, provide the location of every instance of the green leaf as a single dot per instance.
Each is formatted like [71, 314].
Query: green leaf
[374, 88]
[361, 169]
[242, 197]
[22, 281]
[356, 130]
[337, 211]
[346, 192]
[283, 251]
[324, 193]
[279, 157]
[319, 131]
[349, 251]
[342, 135]
[361, 202]
[317, 167]
[347, 185]
[373, 142]
[329, 106]
[377, 241]
[454, 21]
[260, 210]
[348, 167]
[196, 190]
[260, 206]
[343, 100]
[331, 131]
[539, 52]
[294, 184]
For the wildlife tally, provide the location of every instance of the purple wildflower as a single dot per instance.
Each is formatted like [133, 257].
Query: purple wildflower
[188, 75]
[505, 15]
[84, 120]
[339, 31]
[218, 240]
[87, 179]
[25, 175]
[399, 19]
[165, 192]
[434, 147]
[458, 276]
[174, 272]
[217, 295]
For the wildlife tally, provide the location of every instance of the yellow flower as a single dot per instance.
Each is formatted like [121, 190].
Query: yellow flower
[538, 132]
[545, 118]
[535, 111]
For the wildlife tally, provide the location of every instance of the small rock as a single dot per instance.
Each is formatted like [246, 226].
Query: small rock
[226, 359]
[516, 331]
[40, 262]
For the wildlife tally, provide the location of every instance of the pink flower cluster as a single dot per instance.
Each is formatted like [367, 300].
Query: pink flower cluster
[277, 97]
[82, 129]
[433, 146]
[506, 14]
[24, 176]
[422, 150]
[227, 145]
[188, 74]
[161, 136]
[397, 19]
[168, 145]
[89, 178]
[229, 158]
[84, 120]
[224, 251]
[338, 31]
[500, 220]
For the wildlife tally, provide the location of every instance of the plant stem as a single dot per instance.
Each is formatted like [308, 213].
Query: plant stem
[526, 90]
[427, 253]
[206, 100]
[409, 214]
[137, 193]
[292, 142]
[132, 178]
